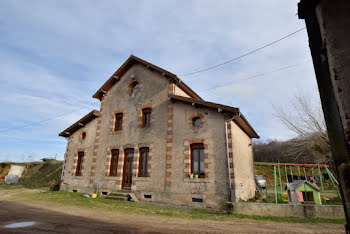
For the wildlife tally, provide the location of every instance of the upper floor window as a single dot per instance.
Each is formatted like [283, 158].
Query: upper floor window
[143, 164]
[114, 162]
[118, 122]
[197, 159]
[134, 87]
[79, 164]
[146, 117]
[83, 135]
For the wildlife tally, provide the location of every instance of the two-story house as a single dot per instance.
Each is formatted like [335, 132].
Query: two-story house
[155, 137]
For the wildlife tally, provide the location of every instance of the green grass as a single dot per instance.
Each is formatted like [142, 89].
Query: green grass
[4, 186]
[75, 199]
[36, 174]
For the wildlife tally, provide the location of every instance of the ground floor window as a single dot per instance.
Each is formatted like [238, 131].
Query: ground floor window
[143, 163]
[79, 164]
[197, 159]
[114, 162]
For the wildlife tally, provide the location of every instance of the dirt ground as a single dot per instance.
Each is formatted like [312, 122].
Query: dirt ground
[55, 218]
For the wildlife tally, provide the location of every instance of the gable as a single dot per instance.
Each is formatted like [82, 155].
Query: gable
[135, 60]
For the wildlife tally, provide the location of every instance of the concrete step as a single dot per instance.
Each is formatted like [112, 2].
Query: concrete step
[113, 197]
[120, 194]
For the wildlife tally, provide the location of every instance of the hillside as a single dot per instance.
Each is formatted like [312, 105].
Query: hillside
[36, 174]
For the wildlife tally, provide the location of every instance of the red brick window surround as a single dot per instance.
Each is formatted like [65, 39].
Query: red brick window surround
[197, 148]
[197, 159]
[118, 122]
[134, 87]
[114, 162]
[146, 117]
[143, 162]
[196, 121]
[79, 168]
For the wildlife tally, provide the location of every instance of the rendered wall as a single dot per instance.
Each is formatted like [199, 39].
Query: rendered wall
[213, 188]
[243, 164]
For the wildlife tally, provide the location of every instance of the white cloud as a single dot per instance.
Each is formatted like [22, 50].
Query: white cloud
[56, 54]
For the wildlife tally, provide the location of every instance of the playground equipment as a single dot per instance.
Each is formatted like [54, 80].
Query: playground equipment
[291, 178]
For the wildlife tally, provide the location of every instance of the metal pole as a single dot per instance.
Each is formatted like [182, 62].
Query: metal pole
[275, 175]
[334, 181]
[285, 169]
[319, 173]
[280, 178]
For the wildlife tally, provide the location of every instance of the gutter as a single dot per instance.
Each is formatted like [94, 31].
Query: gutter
[227, 154]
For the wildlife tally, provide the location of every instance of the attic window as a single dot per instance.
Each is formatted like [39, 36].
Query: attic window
[83, 135]
[196, 121]
[134, 87]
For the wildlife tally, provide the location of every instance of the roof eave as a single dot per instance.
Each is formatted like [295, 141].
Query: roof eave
[132, 60]
[76, 126]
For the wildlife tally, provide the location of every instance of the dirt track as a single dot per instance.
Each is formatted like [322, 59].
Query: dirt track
[53, 218]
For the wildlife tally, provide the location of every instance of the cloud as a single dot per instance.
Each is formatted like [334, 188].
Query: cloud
[56, 54]
[241, 91]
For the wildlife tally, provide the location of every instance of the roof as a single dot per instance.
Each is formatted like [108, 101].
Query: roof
[80, 123]
[297, 183]
[133, 60]
[241, 121]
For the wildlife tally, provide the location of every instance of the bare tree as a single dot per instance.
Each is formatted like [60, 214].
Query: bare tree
[305, 118]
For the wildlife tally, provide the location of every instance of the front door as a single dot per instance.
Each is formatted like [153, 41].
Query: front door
[127, 169]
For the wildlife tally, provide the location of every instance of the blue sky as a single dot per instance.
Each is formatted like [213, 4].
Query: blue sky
[55, 54]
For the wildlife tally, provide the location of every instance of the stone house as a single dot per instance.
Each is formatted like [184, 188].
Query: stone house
[155, 137]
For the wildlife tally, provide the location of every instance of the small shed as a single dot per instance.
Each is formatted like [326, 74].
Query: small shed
[303, 191]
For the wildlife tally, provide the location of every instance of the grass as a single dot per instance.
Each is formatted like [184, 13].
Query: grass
[75, 199]
[4, 186]
[36, 174]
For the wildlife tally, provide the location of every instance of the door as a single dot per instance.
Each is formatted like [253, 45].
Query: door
[127, 169]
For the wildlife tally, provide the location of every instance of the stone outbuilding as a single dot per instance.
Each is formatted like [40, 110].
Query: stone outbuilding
[155, 137]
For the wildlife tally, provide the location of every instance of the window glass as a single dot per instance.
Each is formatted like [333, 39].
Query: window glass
[134, 87]
[114, 162]
[143, 164]
[146, 117]
[197, 160]
[196, 121]
[79, 164]
[118, 122]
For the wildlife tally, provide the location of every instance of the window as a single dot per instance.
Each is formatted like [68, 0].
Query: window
[134, 87]
[118, 122]
[146, 117]
[143, 164]
[308, 196]
[197, 160]
[83, 135]
[114, 162]
[79, 164]
[196, 121]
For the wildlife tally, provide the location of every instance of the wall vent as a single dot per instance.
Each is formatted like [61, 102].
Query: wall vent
[147, 196]
[104, 193]
[196, 199]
